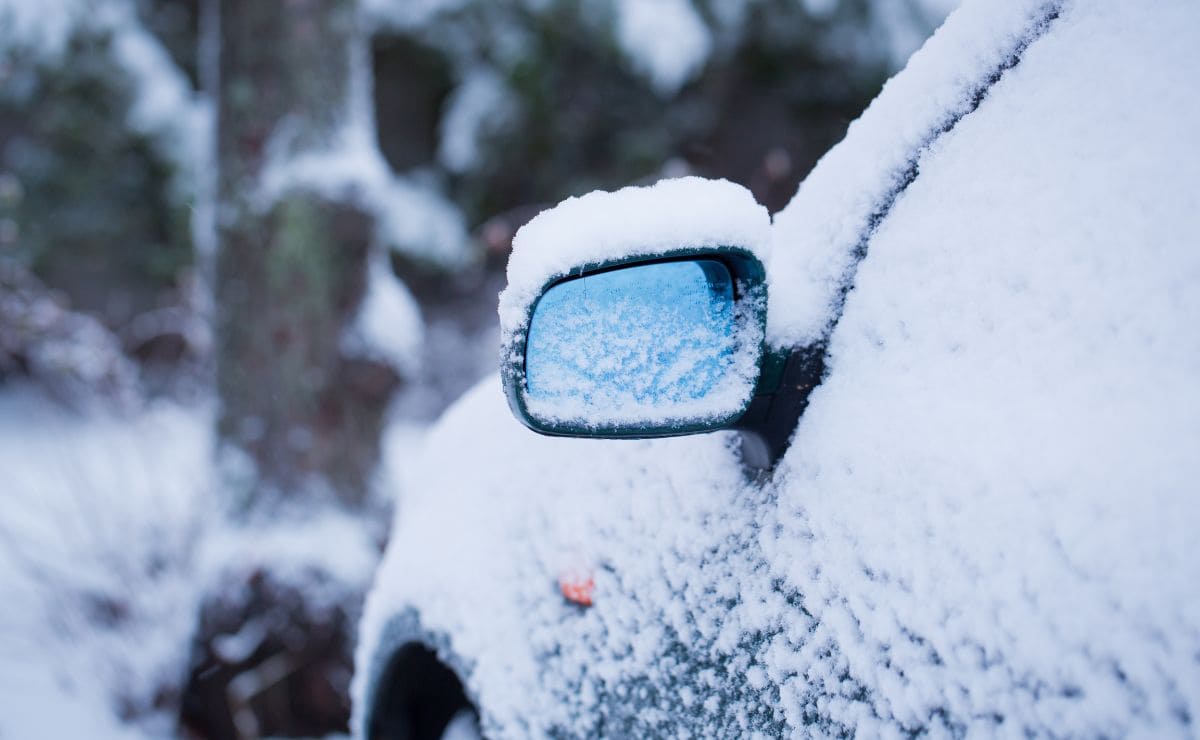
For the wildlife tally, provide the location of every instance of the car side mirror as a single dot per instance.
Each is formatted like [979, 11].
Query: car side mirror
[634, 340]
[645, 348]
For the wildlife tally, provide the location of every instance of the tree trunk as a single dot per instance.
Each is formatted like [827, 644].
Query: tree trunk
[291, 265]
[299, 422]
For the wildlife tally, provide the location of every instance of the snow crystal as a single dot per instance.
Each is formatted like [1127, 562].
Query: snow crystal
[665, 39]
[633, 221]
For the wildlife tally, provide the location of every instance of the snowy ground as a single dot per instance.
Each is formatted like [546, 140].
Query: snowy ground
[107, 543]
[99, 520]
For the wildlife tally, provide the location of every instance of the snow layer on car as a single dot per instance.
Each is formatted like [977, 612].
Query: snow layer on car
[986, 520]
[990, 506]
[633, 221]
[818, 233]
[494, 517]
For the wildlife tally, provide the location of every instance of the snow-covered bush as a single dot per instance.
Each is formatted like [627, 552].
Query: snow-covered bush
[71, 163]
[68, 354]
[534, 101]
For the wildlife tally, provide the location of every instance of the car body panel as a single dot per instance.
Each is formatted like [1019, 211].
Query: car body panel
[983, 523]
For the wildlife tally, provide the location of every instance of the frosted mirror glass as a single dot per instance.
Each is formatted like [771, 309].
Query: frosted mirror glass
[646, 344]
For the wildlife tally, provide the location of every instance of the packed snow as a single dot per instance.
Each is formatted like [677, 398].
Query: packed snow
[631, 222]
[819, 231]
[990, 504]
[481, 548]
[985, 523]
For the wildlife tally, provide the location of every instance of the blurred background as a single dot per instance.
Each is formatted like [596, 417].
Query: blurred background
[249, 251]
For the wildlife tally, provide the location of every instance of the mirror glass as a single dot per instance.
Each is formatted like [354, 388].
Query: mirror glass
[650, 344]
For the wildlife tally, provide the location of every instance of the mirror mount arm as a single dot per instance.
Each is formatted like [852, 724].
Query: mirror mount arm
[771, 418]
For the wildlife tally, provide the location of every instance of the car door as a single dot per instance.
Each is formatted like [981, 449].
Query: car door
[985, 513]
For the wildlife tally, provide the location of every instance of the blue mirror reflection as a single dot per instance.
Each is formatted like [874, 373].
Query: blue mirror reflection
[636, 345]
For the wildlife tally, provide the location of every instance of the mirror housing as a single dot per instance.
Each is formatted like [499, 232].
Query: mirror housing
[605, 330]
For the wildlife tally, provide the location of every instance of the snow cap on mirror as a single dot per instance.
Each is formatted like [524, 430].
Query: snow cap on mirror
[632, 222]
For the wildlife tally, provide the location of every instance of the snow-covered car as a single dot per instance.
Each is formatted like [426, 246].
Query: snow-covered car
[985, 520]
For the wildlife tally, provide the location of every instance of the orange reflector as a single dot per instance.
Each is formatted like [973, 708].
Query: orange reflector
[577, 590]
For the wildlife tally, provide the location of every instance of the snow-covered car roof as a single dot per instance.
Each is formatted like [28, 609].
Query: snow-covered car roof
[985, 521]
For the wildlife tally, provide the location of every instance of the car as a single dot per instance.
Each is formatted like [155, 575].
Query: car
[980, 324]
